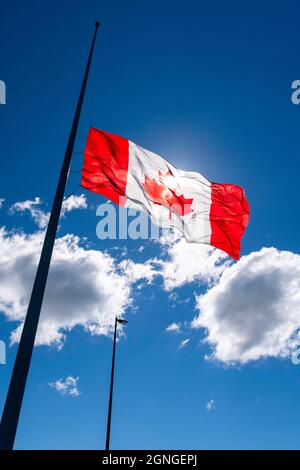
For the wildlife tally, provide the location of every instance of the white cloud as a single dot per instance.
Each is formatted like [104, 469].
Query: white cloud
[210, 405]
[183, 343]
[189, 262]
[250, 311]
[253, 312]
[41, 217]
[176, 299]
[67, 387]
[1, 201]
[73, 202]
[136, 271]
[174, 327]
[85, 287]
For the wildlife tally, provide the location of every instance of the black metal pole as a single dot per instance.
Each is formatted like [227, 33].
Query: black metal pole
[12, 407]
[123, 322]
[111, 388]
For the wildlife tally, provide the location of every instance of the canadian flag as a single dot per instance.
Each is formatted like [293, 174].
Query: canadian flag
[205, 212]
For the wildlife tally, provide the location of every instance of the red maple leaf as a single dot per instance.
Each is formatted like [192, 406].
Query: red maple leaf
[160, 192]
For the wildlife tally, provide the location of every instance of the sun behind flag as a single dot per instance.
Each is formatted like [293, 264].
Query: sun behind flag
[205, 212]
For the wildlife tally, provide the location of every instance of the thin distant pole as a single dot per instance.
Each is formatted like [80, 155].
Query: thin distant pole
[111, 389]
[117, 320]
[13, 403]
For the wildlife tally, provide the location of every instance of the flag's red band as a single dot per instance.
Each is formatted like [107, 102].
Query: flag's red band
[229, 216]
[106, 165]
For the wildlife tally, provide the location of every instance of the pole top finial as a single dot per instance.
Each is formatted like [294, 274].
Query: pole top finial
[97, 24]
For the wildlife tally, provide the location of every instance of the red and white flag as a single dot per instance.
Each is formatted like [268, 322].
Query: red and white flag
[205, 212]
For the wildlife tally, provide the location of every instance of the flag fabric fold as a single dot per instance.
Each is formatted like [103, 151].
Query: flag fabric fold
[205, 212]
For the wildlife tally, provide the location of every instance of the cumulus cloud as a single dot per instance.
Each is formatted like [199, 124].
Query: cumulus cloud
[32, 206]
[174, 327]
[189, 262]
[183, 343]
[66, 387]
[39, 216]
[86, 287]
[72, 203]
[210, 405]
[251, 309]
[137, 271]
[253, 312]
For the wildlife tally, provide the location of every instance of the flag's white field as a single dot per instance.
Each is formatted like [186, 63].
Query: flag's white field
[192, 219]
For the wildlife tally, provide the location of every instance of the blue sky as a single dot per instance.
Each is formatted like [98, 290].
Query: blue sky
[209, 88]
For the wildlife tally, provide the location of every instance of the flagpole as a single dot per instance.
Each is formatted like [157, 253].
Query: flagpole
[14, 398]
[124, 322]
